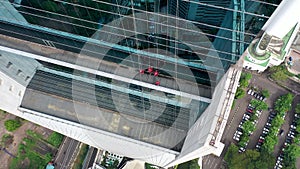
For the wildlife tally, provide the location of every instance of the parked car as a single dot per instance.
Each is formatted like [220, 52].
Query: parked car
[292, 133]
[291, 136]
[248, 113]
[238, 132]
[239, 129]
[249, 110]
[261, 140]
[241, 149]
[293, 127]
[258, 147]
[261, 97]
[236, 138]
[245, 116]
[249, 91]
[281, 132]
[257, 96]
[267, 127]
[288, 140]
[265, 132]
[241, 125]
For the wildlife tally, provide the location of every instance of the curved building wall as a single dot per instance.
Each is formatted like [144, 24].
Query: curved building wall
[284, 18]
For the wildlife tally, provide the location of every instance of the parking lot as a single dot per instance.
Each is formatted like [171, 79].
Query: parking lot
[259, 82]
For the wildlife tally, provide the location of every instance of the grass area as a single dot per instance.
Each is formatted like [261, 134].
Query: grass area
[55, 139]
[81, 156]
[29, 155]
[280, 73]
[28, 158]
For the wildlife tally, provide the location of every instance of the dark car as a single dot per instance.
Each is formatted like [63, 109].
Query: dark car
[263, 135]
[281, 132]
[288, 140]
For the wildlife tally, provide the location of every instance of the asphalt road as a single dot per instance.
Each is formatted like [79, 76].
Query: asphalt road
[66, 153]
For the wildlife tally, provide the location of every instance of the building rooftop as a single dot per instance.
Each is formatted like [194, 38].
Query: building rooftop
[101, 112]
[288, 18]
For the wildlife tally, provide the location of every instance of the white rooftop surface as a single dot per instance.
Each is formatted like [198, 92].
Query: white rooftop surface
[283, 19]
[135, 164]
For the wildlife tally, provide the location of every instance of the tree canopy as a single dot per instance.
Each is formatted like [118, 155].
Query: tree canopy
[12, 125]
[284, 103]
[193, 164]
[258, 104]
[297, 109]
[250, 158]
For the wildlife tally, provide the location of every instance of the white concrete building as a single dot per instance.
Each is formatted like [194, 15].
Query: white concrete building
[272, 46]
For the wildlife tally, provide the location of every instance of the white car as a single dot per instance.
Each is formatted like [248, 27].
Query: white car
[249, 91]
[238, 132]
[290, 135]
[241, 149]
[246, 116]
[258, 113]
[265, 132]
[293, 127]
[261, 137]
[236, 137]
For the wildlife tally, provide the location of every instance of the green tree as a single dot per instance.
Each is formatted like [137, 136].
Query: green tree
[193, 164]
[277, 121]
[292, 152]
[270, 142]
[12, 125]
[246, 76]
[230, 154]
[244, 79]
[258, 104]
[243, 140]
[250, 158]
[240, 93]
[265, 93]
[248, 127]
[284, 103]
[297, 109]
